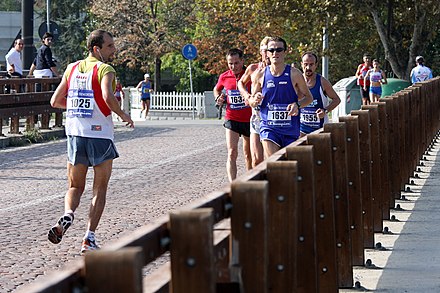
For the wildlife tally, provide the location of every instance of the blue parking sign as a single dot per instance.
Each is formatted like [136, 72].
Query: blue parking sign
[189, 51]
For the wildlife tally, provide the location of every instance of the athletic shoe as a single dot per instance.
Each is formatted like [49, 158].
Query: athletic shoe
[88, 245]
[56, 232]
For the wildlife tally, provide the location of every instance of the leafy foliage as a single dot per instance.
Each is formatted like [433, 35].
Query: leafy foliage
[72, 18]
[10, 5]
[150, 33]
[145, 30]
[406, 28]
[202, 80]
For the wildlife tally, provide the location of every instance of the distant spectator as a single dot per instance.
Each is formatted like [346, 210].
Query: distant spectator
[44, 65]
[420, 72]
[14, 65]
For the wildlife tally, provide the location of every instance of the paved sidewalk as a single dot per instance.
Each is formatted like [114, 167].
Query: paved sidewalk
[411, 261]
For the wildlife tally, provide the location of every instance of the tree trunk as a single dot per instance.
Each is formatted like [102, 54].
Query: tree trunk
[400, 65]
[157, 75]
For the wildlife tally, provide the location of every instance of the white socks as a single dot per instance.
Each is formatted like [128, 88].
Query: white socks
[90, 235]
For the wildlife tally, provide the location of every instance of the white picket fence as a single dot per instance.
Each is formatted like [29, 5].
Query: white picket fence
[174, 102]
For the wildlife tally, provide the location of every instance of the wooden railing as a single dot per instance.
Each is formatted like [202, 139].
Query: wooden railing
[27, 97]
[298, 222]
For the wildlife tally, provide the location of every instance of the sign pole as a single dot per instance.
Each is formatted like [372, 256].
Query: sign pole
[189, 52]
[47, 16]
[193, 102]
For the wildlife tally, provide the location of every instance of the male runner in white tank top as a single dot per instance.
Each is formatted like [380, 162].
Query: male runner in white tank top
[86, 91]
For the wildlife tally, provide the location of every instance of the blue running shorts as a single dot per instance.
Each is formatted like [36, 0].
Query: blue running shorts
[377, 90]
[280, 140]
[90, 151]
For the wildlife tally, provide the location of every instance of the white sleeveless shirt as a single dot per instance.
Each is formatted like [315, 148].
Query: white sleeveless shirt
[87, 113]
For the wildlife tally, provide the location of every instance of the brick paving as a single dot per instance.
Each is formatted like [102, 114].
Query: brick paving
[163, 165]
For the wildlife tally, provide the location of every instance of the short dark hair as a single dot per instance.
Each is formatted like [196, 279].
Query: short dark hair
[235, 51]
[16, 41]
[96, 38]
[47, 35]
[367, 55]
[278, 39]
[312, 54]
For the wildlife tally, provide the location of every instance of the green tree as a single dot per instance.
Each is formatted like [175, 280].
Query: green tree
[10, 5]
[222, 25]
[145, 30]
[405, 28]
[73, 19]
[202, 80]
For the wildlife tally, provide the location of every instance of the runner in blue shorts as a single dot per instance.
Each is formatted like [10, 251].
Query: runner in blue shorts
[277, 88]
[377, 79]
[256, 146]
[325, 99]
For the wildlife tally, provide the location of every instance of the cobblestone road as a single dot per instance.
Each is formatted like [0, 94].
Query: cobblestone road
[163, 165]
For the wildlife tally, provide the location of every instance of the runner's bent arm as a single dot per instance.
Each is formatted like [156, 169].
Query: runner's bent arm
[358, 71]
[331, 94]
[366, 78]
[384, 77]
[256, 95]
[110, 99]
[217, 93]
[58, 99]
[241, 84]
[300, 83]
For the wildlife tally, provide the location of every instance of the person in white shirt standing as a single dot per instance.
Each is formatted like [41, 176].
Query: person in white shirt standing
[420, 72]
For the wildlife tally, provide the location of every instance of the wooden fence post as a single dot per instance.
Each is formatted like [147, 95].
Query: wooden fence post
[114, 271]
[192, 251]
[365, 157]
[354, 189]
[283, 221]
[249, 233]
[376, 176]
[342, 209]
[325, 212]
[307, 273]
[393, 148]
[384, 159]
[45, 118]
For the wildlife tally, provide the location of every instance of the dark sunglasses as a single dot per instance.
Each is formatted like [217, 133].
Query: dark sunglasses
[275, 50]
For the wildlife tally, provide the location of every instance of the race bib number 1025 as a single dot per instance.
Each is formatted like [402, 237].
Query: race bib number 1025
[80, 103]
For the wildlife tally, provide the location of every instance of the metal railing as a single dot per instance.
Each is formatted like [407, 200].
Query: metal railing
[298, 222]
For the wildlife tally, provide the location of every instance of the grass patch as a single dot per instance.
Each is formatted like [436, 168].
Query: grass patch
[33, 135]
